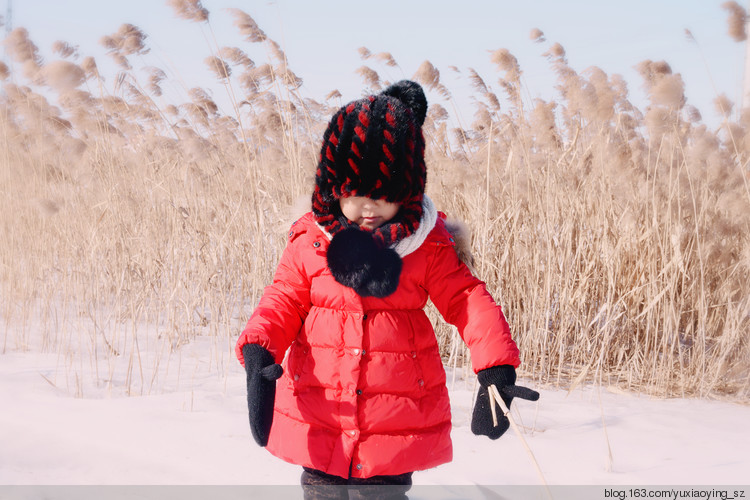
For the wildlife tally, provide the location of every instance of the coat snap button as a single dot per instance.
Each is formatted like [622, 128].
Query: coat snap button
[356, 351]
[420, 382]
[414, 354]
[316, 244]
[296, 377]
[359, 466]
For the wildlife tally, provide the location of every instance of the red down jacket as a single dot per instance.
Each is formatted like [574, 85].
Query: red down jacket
[363, 390]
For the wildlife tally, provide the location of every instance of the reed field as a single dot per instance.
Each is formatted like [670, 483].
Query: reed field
[134, 227]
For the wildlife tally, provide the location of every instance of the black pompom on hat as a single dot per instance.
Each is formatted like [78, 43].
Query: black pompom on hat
[373, 147]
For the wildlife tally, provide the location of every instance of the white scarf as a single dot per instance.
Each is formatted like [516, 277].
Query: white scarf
[415, 240]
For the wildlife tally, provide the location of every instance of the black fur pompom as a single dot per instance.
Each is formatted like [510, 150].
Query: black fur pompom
[356, 261]
[412, 95]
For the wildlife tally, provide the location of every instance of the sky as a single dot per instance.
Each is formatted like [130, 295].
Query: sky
[321, 39]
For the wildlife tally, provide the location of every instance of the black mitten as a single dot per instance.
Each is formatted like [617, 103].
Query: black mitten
[262, 373]
[503, 377]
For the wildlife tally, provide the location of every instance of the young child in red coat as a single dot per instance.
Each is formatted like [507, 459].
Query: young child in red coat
[362, 399]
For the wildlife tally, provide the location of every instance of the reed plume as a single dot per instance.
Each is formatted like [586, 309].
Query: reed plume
[437, 113]
[90, 68]
[508, 63]
[64, 49]
[537, 35]
[288, 77]
[370, 77]
[218, 67]
[21, 49]
[155, 77]
[723, 105]
[277, 52]
[334, 94]
[236, 56]
[128, 40]
[63, 75]
[556, 51]
[364, 53]
[429, 75]
[477, 82]
[511, 82]
[190, 10]
[247, 26]
[693, 114]
[664, 87]
[737, 20]
[386, 58]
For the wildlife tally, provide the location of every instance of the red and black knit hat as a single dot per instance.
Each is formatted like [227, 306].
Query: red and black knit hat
[372, 147]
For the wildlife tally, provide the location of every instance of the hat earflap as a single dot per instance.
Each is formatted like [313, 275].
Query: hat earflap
[356, 261]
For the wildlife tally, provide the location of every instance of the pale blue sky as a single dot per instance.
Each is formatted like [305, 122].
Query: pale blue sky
[321, 39]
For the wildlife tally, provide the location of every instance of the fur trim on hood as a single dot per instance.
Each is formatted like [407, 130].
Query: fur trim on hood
[461, 235]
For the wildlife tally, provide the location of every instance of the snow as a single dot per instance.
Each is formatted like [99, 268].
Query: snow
[196, 433]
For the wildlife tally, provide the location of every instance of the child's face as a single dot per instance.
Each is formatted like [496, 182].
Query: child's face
[368, 213]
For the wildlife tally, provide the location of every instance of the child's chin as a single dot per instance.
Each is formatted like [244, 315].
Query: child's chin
[370, 226]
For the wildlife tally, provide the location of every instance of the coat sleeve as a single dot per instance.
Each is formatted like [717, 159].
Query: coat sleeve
[282, 309]
[463, 300]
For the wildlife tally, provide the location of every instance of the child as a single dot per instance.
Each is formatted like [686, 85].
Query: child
[363, 398]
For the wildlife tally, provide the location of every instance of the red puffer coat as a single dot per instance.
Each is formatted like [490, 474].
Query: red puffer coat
[363, 390]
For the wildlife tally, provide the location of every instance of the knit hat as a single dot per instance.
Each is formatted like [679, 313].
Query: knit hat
[372, 147]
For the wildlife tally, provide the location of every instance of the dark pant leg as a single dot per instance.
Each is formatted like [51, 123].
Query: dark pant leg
[380, 487]
[317, 485]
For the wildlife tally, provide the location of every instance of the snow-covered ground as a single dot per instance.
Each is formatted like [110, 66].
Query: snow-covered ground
[198, 434]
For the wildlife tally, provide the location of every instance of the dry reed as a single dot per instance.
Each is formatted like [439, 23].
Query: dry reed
[737, 20]
[616, 239]
[191, 10]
